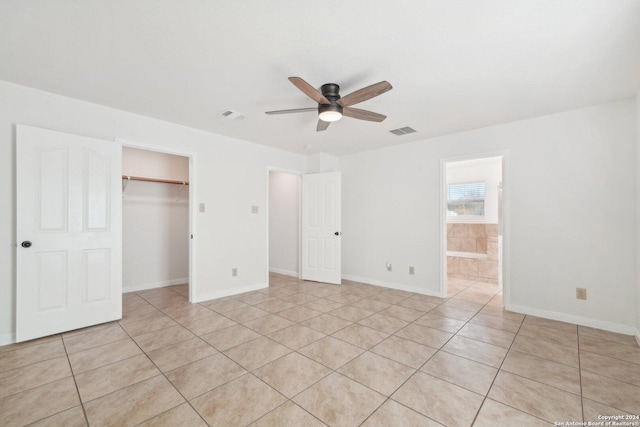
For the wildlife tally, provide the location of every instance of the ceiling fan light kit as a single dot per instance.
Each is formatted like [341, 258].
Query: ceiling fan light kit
[331, 107]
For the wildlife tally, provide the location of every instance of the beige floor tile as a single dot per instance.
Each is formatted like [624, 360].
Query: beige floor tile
[608, 336]
[238, 402]
[254, 298]
[424, 335]
[275, 305]
[300, 298]
[34, 375]
[496, 322]
[613, 368]
[94, 338]
[268, 324]
[338, 401]
[379, 373]
[210, 323]
[144, 326]
[608, 348]
[437, 399]
[173, 356]
[593, 410]
[32, 405]
[475, 350]
[416, 304]
[27, 355]
[296, 336]
[370, 305]
[73, 417]
[611, 392]
[162, 338]
[391, 413]
[554, 336]
[387, 297]
[501, 312]
[224, 305]
[540, 400]
[454, 313]
[232, 336]
[326, 323]
[292, 373]
[361, 336]
[30, 343]
[402, 313]
[331, 352]
[245, 314]
[546, 350]
[140, 313]
[343, 298]
[256, 353]
[462, 304]
[92, 328]
[96, 357]
[288, 415]
[383, 323]
[549, 323]
[488, 335]
[463, 372]
[495, 413]
[323, 305]
[404, 351]
[109, 378]
[322, 292]
[543, 370]
[442, 323]
[299, 314]
[182, 415]
[134, 404]
[351, 313]
[203, 375]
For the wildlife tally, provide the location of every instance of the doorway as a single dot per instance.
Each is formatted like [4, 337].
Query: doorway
[474, 225]
[158, 199]
[284, 223]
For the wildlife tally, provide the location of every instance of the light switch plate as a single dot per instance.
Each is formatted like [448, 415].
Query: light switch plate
[254, 209]
[203, 207]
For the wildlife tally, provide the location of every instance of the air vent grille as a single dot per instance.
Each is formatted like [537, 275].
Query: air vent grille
[231, 115]
[402, 131]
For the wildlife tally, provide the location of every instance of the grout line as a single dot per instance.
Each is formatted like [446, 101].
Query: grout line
[84, 411]
[580, 374]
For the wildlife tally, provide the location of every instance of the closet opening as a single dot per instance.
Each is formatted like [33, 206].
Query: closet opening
[284, 223]
[156, 229]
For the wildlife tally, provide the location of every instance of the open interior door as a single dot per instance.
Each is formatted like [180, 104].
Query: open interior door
[321, 227]
[69, 232]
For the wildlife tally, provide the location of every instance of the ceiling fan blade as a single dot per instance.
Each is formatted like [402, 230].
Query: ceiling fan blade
[295, 110]
[365, 93]
[309, 90]
[356, 113]
[322, 125]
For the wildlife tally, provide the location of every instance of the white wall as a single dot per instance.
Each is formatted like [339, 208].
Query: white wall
[487, 170]
[570, 178]
[284, 205]
[638, 215]
[230, 176]
[155, 221]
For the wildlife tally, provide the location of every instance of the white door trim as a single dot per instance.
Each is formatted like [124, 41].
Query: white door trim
[193, 203]
[267, 208]
[506, 197]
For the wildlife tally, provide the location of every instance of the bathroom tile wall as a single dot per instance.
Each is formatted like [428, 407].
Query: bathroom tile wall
[475, 238]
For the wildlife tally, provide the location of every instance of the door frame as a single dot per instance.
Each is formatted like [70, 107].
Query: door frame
[506, 197]
[193, 201]
[299, 175]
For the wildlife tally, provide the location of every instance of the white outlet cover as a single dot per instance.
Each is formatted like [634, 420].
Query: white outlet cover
[203, 207]
[254, 209]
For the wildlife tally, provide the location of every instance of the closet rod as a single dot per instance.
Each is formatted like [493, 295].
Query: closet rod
[165, 181]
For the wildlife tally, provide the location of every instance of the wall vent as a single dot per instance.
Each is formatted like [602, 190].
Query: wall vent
[402, 131]
[231, 115]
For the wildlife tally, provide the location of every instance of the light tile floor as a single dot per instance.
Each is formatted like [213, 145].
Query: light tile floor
[312, 354]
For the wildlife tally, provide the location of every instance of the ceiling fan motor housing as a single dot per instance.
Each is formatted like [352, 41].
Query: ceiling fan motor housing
[331, 92]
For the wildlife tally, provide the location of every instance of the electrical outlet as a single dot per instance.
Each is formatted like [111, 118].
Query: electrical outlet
[203, 207]
[234, 272]
[411, 270]
[389, 266]
[581, 293]
[254, 209]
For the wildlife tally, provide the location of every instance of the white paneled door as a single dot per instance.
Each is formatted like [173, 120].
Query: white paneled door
[321, 227]
[69, 232]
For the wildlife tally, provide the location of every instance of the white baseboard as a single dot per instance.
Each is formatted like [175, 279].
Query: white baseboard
[145, 286]
[228, 292]
[638, 338]
[282, 271]
[8, 338]
[415, 289]
[578, 320]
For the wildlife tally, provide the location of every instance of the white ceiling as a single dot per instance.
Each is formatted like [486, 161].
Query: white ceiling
[454, 65]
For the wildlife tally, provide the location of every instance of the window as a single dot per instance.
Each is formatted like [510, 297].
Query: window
[465, 199]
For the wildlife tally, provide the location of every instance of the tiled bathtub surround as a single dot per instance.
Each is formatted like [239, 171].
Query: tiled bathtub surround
[313, 354]
[473, 238]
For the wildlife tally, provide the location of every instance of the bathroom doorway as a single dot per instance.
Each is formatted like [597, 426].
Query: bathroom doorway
[474, 226]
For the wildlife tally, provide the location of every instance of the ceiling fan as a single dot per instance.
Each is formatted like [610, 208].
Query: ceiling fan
[331, 107]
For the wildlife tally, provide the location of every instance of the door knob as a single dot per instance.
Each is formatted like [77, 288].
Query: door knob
[337, 233]
[26, 244]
